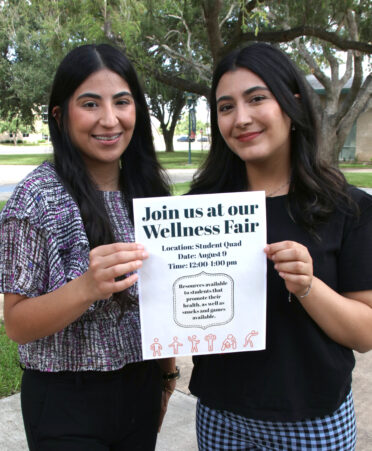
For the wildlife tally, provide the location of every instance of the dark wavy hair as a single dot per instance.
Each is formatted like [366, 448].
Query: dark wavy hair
[140, 173]
[316, 189]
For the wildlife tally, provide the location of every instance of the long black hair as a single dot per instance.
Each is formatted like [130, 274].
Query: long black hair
[316, 189]
[140, 173]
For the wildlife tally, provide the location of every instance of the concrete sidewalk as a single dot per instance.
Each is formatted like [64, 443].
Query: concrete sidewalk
[10, 175]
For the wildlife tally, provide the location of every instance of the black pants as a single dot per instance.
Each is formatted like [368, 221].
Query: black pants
[92, 411]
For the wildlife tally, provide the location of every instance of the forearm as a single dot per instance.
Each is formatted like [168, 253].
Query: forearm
[347, 321]
[167, 365]
[28, 319]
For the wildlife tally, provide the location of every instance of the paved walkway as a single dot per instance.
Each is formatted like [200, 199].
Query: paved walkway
[178, 432]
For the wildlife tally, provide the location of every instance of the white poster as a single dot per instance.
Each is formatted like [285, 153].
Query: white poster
[203, 288]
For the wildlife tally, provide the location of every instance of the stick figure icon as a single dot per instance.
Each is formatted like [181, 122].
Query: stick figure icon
[248, 338]
[210, 339]
[194, 343]
[229, 342]
[156, 347]
[175, 345]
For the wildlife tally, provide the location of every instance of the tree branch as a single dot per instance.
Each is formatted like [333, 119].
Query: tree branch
[203, 70]
[178, 82]
[187, 31]
[358, 67]
[318, 74]
[365, 93]
[349, 68]
[211, 9]
[228, 15]
[293, 33]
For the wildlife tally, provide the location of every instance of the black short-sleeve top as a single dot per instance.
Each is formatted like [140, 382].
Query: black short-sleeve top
[302, 373]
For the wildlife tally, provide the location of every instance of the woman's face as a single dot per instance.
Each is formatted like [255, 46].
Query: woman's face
[102, 117]
[250, 119]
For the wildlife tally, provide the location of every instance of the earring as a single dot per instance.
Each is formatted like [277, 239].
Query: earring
[293, 128]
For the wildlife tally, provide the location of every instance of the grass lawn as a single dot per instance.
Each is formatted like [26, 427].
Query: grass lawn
[363, 180]
[10, 372]
[179, 159]
[180, 188]
[171, 160]
[29, 159]
[355, 165]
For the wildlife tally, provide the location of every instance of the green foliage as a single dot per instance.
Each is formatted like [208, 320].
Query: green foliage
[171, 43]
[14, 125]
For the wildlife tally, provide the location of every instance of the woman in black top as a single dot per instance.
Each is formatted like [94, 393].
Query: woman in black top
[296, 394]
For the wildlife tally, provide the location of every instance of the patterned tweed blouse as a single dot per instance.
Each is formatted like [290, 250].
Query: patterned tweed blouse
[43, 245]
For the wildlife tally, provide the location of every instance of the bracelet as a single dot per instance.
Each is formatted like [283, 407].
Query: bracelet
[172, 375]
[307, 291]
[168, 390]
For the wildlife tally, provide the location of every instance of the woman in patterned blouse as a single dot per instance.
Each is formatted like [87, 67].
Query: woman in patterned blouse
[68, 265]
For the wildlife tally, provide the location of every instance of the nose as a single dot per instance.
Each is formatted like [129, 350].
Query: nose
[108, 117]
[243, 116]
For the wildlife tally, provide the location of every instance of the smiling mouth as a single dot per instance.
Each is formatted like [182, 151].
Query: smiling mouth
[107, 138]
[248, 136]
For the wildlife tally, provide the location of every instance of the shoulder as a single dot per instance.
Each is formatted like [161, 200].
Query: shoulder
[361, 197]
[363, 201]
[36, 196]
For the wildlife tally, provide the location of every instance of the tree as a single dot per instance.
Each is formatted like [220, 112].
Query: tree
[179, 43]
[13, 126]
[166, 104]
[192, 36]
[34, 36]
[26, 61]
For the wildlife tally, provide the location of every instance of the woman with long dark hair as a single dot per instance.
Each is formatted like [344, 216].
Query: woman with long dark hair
[296, 394]
[68, 265]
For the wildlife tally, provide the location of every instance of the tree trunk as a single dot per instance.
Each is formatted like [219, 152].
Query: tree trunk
[168, 139]
[329, 149]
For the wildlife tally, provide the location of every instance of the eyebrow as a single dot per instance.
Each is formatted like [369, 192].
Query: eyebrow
[96, 96]
[245, 93]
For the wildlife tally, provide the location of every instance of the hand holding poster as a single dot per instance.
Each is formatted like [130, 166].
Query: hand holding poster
[203, 288]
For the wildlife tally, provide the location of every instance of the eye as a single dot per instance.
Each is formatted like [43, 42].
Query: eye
[90, 104]
[125, 101]
[224, 108]
[257, 98]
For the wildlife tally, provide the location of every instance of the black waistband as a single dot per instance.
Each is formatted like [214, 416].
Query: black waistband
[73, 376]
